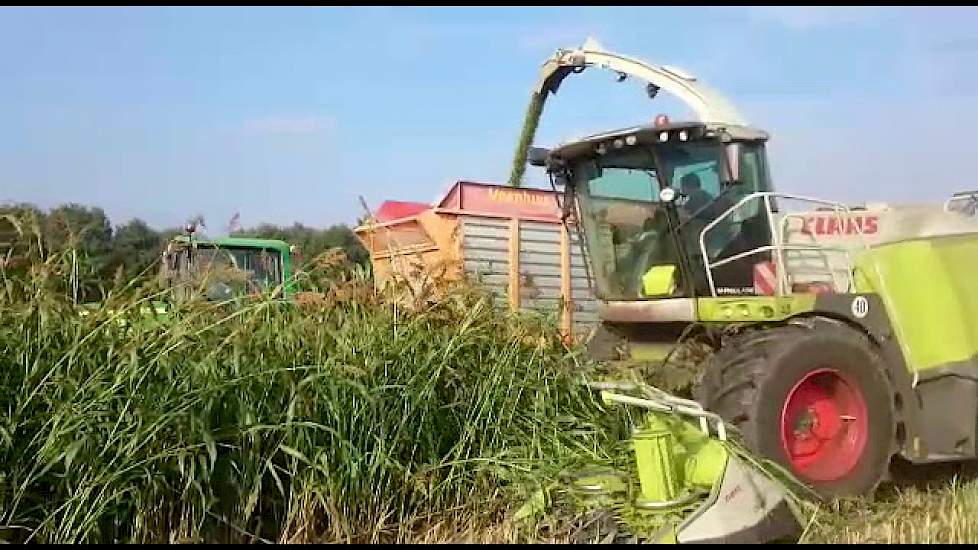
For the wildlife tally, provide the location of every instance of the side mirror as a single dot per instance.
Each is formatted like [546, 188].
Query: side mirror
[731, 163]
[538, 156]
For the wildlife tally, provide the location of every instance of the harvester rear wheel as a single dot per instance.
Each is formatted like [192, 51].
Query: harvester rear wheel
[813, 398]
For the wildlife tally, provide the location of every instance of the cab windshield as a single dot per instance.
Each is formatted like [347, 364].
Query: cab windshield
[628, 230]
[227, 271]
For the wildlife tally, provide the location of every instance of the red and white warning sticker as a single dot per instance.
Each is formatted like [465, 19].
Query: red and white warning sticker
[765, 278]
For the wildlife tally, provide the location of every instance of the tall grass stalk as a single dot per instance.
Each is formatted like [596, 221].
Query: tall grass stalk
[351, 416]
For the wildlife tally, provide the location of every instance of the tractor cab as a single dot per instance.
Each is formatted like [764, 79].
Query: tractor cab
[228, 267]
[963, 202]
[657, 202]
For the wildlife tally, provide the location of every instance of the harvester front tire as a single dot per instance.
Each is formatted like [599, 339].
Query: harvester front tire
[759, 379]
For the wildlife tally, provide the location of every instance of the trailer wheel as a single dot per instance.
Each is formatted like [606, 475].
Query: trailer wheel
[815, 399]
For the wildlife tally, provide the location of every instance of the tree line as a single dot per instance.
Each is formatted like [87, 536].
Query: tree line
[112, 252]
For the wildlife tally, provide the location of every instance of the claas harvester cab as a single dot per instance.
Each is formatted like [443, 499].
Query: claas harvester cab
[840, 336]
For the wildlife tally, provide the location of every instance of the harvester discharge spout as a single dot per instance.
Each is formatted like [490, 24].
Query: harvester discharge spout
[708, 105]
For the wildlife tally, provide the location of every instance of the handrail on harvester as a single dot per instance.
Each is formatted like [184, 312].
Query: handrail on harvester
[777, 246]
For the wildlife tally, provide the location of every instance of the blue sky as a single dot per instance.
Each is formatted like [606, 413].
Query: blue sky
[287, 114]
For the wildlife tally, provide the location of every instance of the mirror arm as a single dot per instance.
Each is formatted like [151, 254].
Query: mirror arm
[568, 200]
[559, 174]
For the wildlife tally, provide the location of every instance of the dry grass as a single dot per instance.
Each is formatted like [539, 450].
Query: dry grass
[940, 510]
[929, 505]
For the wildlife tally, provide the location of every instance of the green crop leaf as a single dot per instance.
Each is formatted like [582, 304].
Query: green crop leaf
[294, 453]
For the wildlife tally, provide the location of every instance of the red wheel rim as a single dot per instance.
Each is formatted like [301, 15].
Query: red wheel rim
[824, 426]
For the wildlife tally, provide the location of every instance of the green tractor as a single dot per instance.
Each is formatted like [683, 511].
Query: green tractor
[230, 266]
[840, 337]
